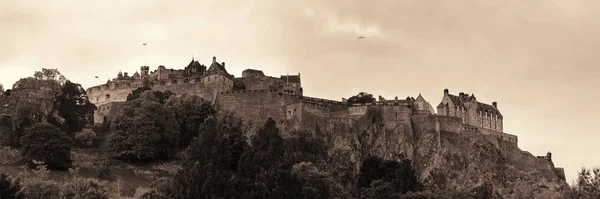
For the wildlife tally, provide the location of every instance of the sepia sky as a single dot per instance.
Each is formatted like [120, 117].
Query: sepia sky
[538, 59]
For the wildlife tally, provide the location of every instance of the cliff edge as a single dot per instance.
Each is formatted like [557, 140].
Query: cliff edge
[444, 156]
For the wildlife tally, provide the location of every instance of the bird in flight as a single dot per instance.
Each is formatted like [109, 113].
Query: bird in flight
[360, 37]
[96, 77]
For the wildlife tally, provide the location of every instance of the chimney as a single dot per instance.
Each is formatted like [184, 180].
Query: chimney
[461, 94]
[495, 104]
[223, 64]
[214, 59]
[126, 75]
[445, 91]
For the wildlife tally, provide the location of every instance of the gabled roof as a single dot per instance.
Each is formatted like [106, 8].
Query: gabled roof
[489, 109]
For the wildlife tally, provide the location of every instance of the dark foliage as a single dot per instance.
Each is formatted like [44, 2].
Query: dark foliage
[162, 97]
[190, 111]
[143, 130]
[361, 98]
[380, 178]
[47, 143]
[73, 105]
[7, 92]
[10, 189]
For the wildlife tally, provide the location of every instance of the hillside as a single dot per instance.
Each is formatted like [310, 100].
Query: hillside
[446, 158]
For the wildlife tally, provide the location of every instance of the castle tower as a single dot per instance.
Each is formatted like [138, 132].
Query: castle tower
[217, 78]
[144, 70]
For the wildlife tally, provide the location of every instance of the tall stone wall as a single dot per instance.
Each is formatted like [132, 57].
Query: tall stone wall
[256, 105]
[104, 112]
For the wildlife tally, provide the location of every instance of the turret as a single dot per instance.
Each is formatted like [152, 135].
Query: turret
[445, 91]
[495, 104]
[145, 70]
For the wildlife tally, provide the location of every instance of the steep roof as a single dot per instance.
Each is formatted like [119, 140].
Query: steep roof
[488, 108]
[291, 78]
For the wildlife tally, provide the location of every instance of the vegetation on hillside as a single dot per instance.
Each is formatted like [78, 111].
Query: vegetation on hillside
[160, 145]
[361, 98]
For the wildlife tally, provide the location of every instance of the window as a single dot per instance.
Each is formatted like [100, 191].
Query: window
[107, 96]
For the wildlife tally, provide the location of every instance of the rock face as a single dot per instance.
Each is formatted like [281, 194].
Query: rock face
[443, 156]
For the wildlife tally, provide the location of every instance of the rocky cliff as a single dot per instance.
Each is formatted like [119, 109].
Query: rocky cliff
[444, 157]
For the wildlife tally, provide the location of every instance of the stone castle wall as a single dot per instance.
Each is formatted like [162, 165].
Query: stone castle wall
[255, 104]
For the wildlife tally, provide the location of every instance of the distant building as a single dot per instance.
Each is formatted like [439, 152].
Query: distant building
[470, 111]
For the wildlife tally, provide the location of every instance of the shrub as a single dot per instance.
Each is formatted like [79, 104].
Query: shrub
[42, 190]
[10, 188]
[9, 155]
[46, 143]
[86, 137]
[81, 188]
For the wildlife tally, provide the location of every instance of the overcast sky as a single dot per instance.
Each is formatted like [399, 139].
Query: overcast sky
[538, 59]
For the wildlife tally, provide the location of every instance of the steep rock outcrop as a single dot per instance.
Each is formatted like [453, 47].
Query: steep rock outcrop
[444, 157]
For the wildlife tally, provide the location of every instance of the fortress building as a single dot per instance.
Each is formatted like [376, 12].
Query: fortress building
[470, 111]
[256, 97]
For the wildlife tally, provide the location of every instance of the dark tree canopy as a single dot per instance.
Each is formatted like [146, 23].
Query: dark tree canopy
[75, 108]
[379, 178]
[162, 97]
[48, 97]
[9, 188]
[47, 143]
[361, 98]
[143, 130]
[190, 111]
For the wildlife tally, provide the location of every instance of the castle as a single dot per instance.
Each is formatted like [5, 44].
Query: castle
[255, 96]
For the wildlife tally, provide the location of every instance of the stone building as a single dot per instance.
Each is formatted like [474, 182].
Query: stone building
[422, 106]
[470, 111]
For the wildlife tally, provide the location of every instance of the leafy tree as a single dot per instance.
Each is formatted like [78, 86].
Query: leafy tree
[1, 89]
[362, 97]
[86, 137]
[46, 143]
[32, 101]
[380, 178]
[10, 189]
[74, 106]
[587, 184]
[50, 74]
[143, 130]
[48, 97]
[211, 160]
[161, 96]
[190, 111]
[42, 189]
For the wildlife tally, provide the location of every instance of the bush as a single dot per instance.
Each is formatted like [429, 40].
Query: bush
[86, 137]
[81, 188]
[46, 143]
[10, 189]
[9, 155]
[42, 190]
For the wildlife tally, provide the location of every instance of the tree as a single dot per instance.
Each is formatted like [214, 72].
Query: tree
[143, 130]
[190, 111]
[361, 98]
[74, 106]
[379, 178]
[46, 143]
[48, 97]
[10, 189]
[32, 101]
[587, 184]
[1, 89]
[50, 74]
[211, 160]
